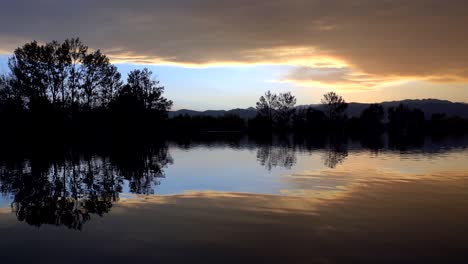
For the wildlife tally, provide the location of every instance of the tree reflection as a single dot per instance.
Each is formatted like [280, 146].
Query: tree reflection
[142, 167]
[335, 153]
[406, 142]
[66, 192]
[282, 151]
[67, 187]
[278, 152]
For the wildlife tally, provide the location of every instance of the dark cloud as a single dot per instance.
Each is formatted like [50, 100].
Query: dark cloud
[418, 38]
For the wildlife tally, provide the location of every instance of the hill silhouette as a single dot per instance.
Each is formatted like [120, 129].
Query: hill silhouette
[243, 113]
[428, 106]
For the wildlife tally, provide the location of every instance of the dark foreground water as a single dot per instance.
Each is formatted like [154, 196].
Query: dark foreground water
[282, 200]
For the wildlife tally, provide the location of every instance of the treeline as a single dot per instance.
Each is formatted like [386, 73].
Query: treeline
[67, 90]
[278, 113]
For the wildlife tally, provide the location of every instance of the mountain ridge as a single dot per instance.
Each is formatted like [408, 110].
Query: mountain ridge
[429, 106]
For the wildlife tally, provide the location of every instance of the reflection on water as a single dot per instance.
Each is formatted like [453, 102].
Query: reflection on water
[283, 152]
[67, 190]
[282, 155]
[283, 199]
[336, 153]
[68, 186]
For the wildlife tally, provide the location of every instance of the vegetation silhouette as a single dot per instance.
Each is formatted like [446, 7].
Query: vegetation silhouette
[79, 134]
[63, 91]
[334, 107]
[275, 111]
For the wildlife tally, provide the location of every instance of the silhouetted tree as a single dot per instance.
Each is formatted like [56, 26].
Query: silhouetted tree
[10, 98]
[61, 74]
[372, 117]
[266, 108]
[334, 106]
[76, 56]
[441, 124]
[95, 70]
[309, 120]
[142, 92]
[69, 91]
[275, 111]
[285, 103]
[27, 71]
[404, 120]
[111, 84]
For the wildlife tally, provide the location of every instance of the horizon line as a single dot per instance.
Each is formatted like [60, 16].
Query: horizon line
[316, 104]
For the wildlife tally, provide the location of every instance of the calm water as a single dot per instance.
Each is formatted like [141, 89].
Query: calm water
[238, 201]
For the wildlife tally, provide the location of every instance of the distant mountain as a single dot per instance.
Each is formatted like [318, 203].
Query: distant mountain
[244, 113]
[429, 106]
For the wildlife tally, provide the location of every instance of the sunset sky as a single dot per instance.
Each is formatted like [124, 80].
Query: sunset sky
[219, 54]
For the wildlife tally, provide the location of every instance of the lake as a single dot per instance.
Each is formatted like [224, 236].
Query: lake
[237, 199]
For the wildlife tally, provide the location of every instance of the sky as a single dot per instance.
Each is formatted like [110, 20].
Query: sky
[223, 54]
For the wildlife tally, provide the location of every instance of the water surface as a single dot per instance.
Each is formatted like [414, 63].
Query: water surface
[238, 200]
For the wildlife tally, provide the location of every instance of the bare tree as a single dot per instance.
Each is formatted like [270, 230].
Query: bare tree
[111, 84]
[76, 55]
[284, 109]
[334, 106]
[266, 106]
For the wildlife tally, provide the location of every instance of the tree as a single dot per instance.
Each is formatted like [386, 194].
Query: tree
[29, 72]
[70, 91]
[76, 55]
[142, 92]
[335, 106]
[96, 70]
[404, 120]
[284, 106]
[372, 117]
[62, 74]
[10, 98]
[309, 119]
[276, 110]
[111, 84]
[266, 107]
[55, 57]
